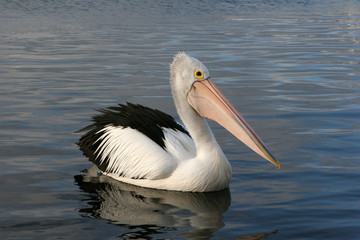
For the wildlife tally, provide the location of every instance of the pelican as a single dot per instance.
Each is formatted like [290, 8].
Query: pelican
[148, 148]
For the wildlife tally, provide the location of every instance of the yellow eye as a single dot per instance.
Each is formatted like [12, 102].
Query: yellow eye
[199, 74]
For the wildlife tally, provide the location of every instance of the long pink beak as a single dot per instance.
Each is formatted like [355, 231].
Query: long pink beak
[209, 102]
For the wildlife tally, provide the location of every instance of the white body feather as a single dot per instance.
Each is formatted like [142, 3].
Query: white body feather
[142, 162]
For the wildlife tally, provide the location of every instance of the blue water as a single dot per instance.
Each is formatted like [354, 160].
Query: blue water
[290, 67]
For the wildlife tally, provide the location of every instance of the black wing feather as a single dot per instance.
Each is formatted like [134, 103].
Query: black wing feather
[146, 120]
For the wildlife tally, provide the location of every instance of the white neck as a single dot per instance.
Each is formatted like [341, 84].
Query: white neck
[198, 128]
[215, 169]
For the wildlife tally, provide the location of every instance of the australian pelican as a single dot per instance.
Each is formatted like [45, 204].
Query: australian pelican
[145, 147]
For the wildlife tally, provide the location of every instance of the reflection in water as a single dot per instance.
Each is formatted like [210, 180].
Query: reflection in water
[148, 210]
[145, 212]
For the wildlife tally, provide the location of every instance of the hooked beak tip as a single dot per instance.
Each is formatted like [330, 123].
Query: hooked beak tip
[278, 164]
[275, 162]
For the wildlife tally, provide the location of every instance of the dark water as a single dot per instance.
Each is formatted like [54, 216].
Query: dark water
[291, 67]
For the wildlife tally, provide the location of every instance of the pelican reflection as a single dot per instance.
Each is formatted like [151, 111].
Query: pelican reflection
[199, 215]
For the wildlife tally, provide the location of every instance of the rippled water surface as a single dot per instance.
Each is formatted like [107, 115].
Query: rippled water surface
[291, 67]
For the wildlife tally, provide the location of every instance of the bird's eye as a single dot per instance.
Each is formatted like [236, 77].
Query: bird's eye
[199, 74]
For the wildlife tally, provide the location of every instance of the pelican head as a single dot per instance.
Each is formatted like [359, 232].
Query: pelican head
[194, 91]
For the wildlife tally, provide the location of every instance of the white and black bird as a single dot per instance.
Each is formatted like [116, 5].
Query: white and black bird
[145, 147]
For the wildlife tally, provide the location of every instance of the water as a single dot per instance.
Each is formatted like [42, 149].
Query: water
[292, 69]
